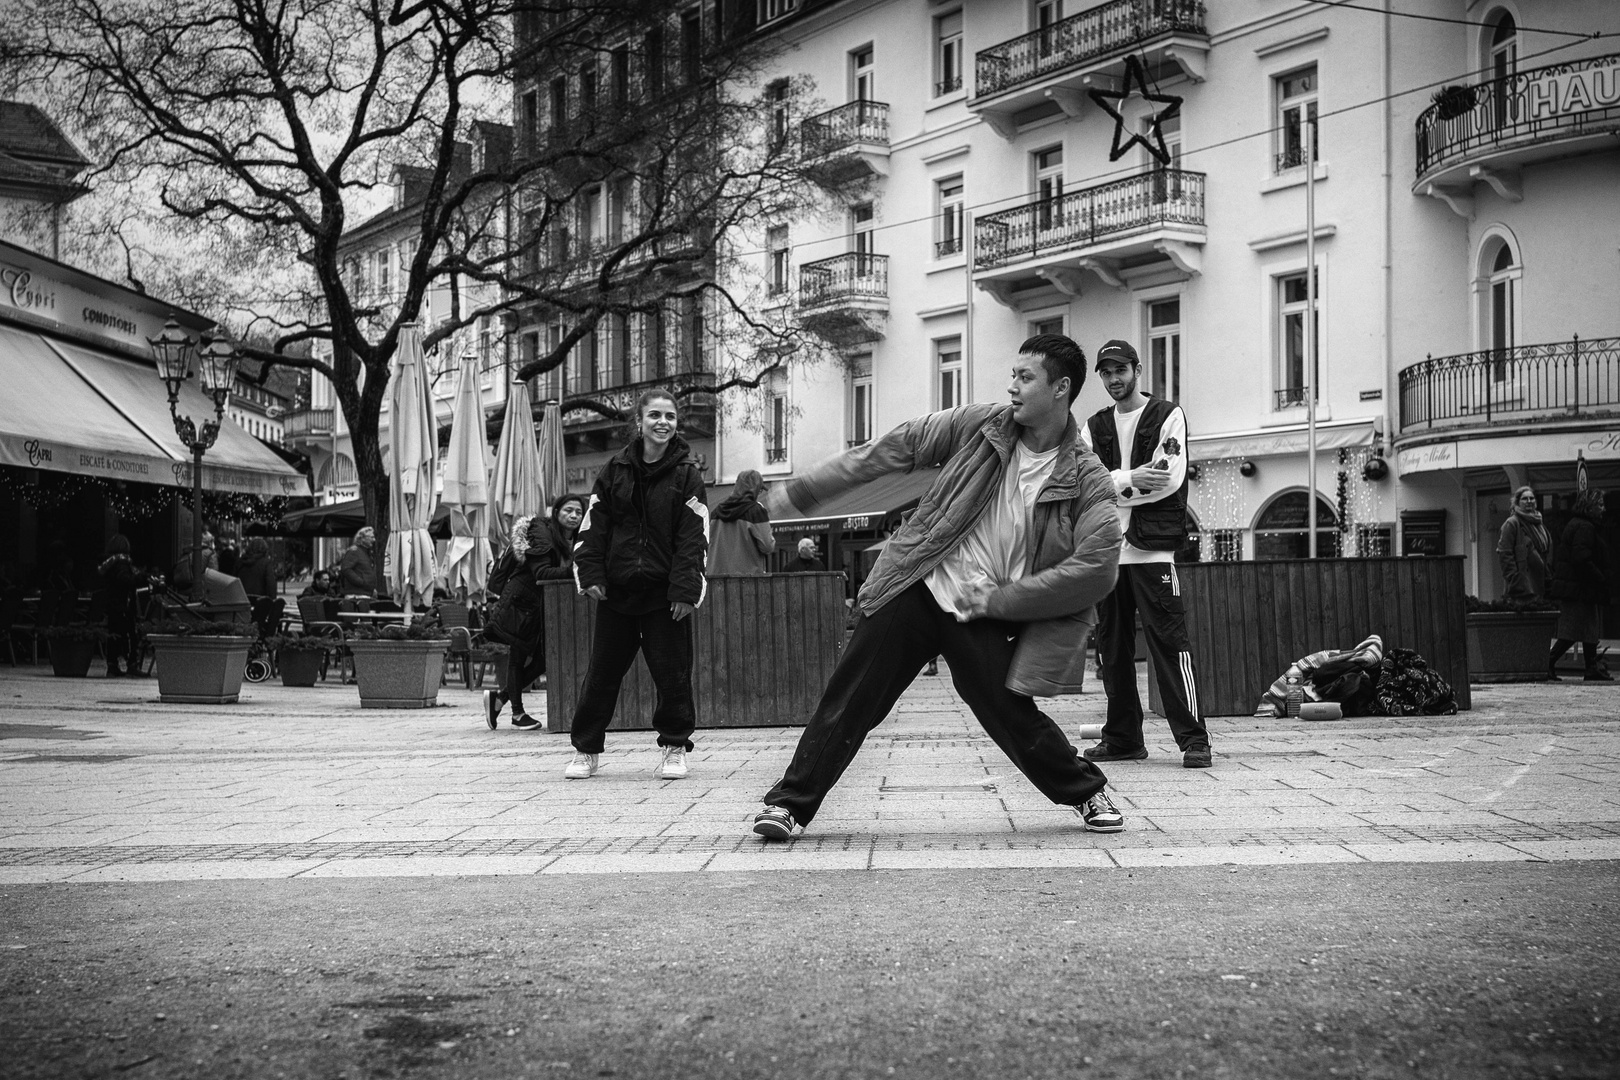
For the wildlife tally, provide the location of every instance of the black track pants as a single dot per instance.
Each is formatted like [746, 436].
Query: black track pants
[883, 657]
[667, 647]
[1153, 591]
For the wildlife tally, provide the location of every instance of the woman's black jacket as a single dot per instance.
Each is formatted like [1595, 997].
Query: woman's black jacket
[646, 531]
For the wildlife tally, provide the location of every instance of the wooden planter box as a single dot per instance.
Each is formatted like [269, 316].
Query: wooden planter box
[71, 659]
[398, 674]
[200, 670]
[1249, 620]
[299, 667]
[763, 650]
[1510, 646]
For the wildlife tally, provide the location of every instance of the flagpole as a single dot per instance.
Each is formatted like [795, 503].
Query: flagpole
[1310, 330]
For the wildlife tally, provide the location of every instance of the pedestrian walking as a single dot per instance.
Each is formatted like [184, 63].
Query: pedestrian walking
[805, 561]
[1524, 549]
[121, 580]
[548, 557]
[357, 574]
[640, 555]
[1142, 441]
[740, 537]
[1582, 577]
[517, 618]
[998, 570]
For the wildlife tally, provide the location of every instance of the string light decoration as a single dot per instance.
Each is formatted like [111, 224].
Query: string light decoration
[140, 502]
[1219, 503]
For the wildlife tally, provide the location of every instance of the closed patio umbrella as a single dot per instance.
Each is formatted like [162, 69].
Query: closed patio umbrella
[412, 458]
[515, 484]
[553, 459]
[466, 486]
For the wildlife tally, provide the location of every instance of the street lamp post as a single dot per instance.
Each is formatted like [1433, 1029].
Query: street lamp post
[216, 359]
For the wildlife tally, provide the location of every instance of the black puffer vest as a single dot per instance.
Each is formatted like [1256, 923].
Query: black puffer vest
[1155, 526]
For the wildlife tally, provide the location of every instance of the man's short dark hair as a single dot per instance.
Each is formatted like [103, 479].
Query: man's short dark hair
[1061, 358]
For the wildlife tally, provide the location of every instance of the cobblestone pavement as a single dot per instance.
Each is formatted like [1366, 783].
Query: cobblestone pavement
[100, 782]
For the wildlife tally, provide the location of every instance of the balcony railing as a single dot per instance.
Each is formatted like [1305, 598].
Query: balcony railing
[1290, 397]
[306, 422]
[948, 246]
[1563, 378]
[624, 396]
[1115, 27]
[1557, 101]
[843, 278]
[1088, 216]
[832, 131]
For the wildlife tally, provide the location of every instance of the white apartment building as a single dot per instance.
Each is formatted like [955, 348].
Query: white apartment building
[1488, 241]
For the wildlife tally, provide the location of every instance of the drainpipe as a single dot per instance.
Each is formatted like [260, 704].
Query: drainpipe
[1391, 382]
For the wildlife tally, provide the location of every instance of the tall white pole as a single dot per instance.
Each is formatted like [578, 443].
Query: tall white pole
[1309, 125]
[967, 313]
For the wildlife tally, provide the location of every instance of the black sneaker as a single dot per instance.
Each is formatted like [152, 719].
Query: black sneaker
[1101, 815]
[1104, 752]
[492, 708]
[774, 823]
[1598, 674]
[524, 722]
[1197, 758]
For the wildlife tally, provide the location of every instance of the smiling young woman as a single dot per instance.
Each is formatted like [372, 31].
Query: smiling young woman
[640, 555]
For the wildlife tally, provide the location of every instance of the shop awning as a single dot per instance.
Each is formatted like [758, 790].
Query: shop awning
[1284, 439]
[77, 409]
[343, 519]
[872, 505]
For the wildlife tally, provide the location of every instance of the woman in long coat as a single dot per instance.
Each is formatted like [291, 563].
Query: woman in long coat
[1582, 577]
[1524, 549]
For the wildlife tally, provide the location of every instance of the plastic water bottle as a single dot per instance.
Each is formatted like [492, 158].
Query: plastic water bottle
[1296, 690]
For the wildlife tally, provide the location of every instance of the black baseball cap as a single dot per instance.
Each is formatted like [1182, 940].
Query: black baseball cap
[1116, 350]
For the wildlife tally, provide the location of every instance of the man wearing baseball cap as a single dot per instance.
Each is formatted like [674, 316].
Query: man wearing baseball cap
[1142, 441]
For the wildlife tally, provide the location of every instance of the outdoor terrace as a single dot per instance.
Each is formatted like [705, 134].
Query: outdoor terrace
[1055, 65]
[306, 423]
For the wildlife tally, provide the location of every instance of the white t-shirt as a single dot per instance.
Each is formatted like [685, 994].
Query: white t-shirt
[996, 549]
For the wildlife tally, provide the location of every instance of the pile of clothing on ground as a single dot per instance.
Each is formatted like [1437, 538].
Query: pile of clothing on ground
[1365, 681]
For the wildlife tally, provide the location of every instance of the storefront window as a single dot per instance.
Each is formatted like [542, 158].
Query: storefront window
[1281, 532]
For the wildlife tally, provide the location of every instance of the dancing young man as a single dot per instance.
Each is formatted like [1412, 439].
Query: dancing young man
[1143, 441]
[997, 570]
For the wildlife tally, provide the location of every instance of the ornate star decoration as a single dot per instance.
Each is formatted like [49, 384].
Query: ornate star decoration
[1153, 141]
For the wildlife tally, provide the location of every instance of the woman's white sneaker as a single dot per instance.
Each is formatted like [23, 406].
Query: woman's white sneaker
[674, 765]
[583, 767]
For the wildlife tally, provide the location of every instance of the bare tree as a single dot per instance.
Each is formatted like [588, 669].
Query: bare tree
[236, 140]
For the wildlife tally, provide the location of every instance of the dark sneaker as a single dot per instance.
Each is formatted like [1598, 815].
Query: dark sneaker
[524, 722]
[492, 708]
[1198, 758]
[1104, 752]
[1598, 674]
[774, 823]
[1100, 814]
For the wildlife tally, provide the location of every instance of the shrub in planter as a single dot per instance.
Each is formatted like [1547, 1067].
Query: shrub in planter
[298, 656]
[399, 667]
[1508, 639]
[73, 648]
[1453, 101]
[199, 663]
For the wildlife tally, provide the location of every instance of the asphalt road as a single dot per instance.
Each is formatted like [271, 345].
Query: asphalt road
[1393, 970]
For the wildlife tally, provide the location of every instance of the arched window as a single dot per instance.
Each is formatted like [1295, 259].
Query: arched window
[1502, 61]
[338, 471]
[1500, 278]
[1282, 532]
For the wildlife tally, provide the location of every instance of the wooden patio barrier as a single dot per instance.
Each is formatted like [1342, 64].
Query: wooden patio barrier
[764, 649]
[1249, 620]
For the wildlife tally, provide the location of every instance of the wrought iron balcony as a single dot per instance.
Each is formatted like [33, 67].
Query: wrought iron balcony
[1290, 397]
[1562, 379]
[845, 299]
[843, 127]
[1108, 30]
[1523, 117]
[1089, 217]
[948, 246]
[306, 423]
[852, 276]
